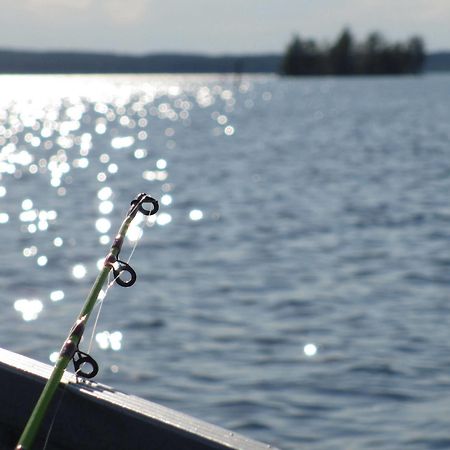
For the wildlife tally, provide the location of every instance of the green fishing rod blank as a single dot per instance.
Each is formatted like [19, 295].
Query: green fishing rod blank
[70, 351]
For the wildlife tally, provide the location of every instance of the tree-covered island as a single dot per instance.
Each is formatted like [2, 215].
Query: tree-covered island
[345, 56]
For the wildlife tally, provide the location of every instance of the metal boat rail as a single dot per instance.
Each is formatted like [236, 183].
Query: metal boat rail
[93, 416]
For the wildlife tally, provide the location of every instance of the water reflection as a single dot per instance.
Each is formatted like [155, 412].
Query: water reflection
[140, 153]
[30, 251]
[310, 350]
[166, 200]
[42, 260]
[122, 142]
[113, 168]
[195, 215]
[101, 177]
[109, 340]
[161, 164]
[134, 233]
[79, 271]
[67, 140]
[163, 219]
[104, 240]
[106, 207]
[58, 241]
[229, 130]
[103, 225]
[30, 309]
[104, 193]
[27, 204]
[56, 296]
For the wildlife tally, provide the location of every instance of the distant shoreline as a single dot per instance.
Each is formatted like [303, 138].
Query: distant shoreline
[34, 62]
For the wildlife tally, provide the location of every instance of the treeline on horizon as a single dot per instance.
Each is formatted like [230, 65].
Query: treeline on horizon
[374, 56]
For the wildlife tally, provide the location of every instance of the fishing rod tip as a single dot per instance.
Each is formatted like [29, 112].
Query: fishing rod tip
[143, 198]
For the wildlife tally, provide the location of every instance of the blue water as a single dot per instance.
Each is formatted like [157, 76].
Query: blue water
[295, 284]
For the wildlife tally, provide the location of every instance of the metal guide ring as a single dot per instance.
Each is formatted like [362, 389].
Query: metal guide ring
[80, 358]
[124, 267]
[147, 199]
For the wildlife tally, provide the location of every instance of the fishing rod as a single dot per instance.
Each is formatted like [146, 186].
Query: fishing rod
[70, 351]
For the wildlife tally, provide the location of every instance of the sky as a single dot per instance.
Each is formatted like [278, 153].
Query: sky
[212, 26]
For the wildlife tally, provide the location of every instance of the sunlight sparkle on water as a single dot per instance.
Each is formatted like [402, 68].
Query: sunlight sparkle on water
[100, 263]
[101, 176]
[29, 309]
[195, 215]
[58, 242]
[81, 163]
[42, 225]
[79, 271]
[163, 219]
[49, 215]
[27, 204]
[310, 349]
[4, 217]
[55, 181]
[134, 233]
[229, 130]
[104, 158]
[161, 164]
[106, 207]
[22, 158]
[42, 260]
[28, 216]
[113, 168]
[106, 340]
[122, 142]
[100, 128]
[140, 153]
[103, 225]
[30, 251]
[152, 175]
[104, 193]
[222, 120]
[166, 199]
[56, 296]
[104, 239]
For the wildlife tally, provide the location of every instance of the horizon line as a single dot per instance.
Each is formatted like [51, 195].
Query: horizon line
[162, 52]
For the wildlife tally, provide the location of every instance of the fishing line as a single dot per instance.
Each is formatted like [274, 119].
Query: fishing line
[73, 379]
[100, 302]
[70, 351]
[94, 328]
[50, 428]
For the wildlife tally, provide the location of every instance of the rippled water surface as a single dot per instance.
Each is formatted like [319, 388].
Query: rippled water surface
[295, 284]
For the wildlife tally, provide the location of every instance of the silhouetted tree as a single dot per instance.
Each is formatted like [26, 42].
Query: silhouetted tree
[292, 61]
[346, 57]
[342, 54]
[303, 57]
[416, 51]
[313, 62]
[371, 53]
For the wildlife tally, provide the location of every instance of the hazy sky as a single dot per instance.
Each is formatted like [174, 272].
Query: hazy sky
[212, 26]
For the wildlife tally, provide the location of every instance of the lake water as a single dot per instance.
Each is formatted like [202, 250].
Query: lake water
[295, 285]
